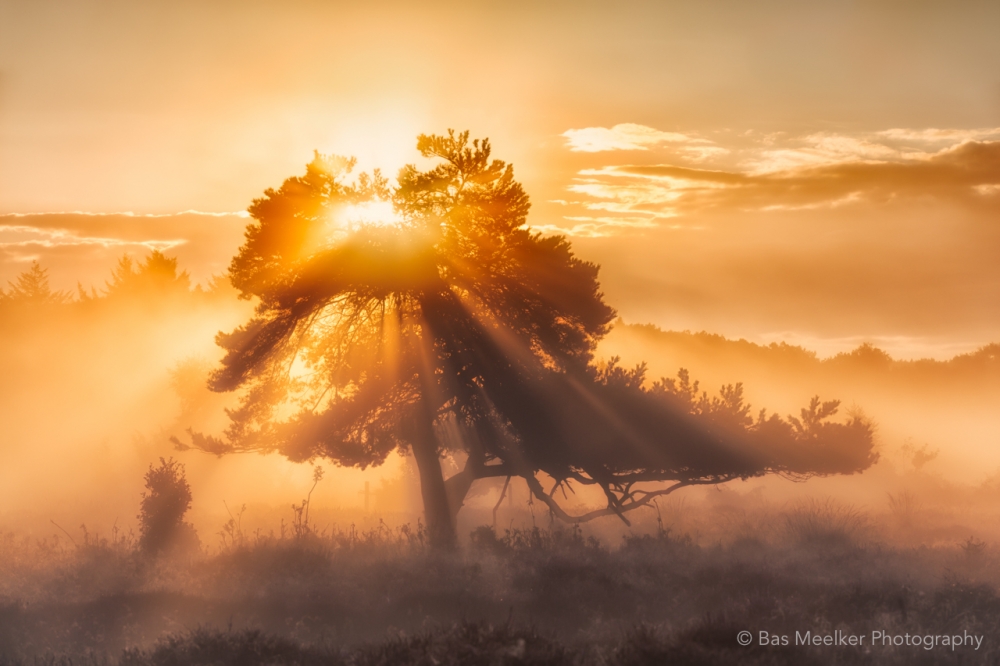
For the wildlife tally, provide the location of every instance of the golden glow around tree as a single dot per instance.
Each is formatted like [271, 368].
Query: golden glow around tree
[370, 337]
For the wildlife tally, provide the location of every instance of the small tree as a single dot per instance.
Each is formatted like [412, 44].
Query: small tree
[32, 287]
[155, 276]
[161, 512]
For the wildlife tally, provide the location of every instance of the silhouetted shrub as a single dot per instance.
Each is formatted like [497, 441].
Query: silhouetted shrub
[161, 513]
[826, 524]
[484, 539]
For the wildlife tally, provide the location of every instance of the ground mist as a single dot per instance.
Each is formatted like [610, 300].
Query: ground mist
[535, 595]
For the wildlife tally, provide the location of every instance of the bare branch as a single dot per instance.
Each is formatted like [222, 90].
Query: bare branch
[63, 531]
[503, 493]
[618, 508]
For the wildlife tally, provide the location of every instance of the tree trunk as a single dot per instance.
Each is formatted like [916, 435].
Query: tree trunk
[457, 487]
[437, 513]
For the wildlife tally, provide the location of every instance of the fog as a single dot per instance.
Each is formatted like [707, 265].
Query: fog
[99, 385]
[96, 386]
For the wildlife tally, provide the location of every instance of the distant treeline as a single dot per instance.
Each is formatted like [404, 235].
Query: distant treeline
[145, 318]
[135, 294]
[155, 276]
[157, 280]
[921, 407]
[866, 358]
[94, 381]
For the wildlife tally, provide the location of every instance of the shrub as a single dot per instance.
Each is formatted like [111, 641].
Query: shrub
[161, 512]
[826, 524]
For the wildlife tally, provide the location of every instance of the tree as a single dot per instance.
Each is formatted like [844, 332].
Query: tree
[449, 326]
[161, 512]
[32, 287]
[155, 276]
[382, 336]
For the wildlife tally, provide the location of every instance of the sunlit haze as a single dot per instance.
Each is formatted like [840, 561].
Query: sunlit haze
[799, 198]
[756, 191]
[653, 331]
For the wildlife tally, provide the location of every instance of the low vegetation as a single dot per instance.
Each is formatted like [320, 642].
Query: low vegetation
[514, 596]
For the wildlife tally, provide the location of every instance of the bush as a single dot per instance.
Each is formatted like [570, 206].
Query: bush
[161, 512]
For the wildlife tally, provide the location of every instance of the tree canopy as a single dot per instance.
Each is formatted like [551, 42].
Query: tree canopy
[32, 287]
[447, 324]
[156, 275]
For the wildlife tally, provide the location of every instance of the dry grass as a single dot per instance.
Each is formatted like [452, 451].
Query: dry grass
[528, 596]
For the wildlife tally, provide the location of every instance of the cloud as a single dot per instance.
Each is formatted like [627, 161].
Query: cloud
[22, 236]
[916, 268]
[669, 173]
[600, 227]
[955, 174]
[935, 135]
[703, 153]
[820, 149]
[889, 235]
[783, 173]
[128, 213]
[625, 136]
[84, 247]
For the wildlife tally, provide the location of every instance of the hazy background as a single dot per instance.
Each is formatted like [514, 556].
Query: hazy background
[821, 175]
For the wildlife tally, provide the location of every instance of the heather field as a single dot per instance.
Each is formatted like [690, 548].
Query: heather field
[520, 596]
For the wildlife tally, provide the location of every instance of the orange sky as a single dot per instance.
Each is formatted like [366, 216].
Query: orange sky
[824, 174]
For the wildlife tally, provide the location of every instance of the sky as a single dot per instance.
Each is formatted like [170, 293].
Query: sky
[820, 173]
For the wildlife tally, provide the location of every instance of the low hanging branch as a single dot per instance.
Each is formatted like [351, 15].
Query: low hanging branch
[609, 429]
[612, 509]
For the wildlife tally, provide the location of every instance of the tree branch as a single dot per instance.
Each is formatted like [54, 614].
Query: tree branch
[611, 510]
[503, 493]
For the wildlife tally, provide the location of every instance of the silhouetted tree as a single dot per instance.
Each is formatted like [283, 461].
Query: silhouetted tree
[381, 334]
[161, 512]
[32, 287]
[451, 327]
[155, 276]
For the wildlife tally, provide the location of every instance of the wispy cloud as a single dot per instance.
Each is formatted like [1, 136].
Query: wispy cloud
[584, 226]
[128, 213]
[29, 237]
[84, 246]
[783, 173]
[625, 136]
[936, 136]
[822, 149]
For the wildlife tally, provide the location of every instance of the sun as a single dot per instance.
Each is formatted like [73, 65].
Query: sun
[340, 220]
[378, 213]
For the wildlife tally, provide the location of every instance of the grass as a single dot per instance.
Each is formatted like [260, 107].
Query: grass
[528, 596]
